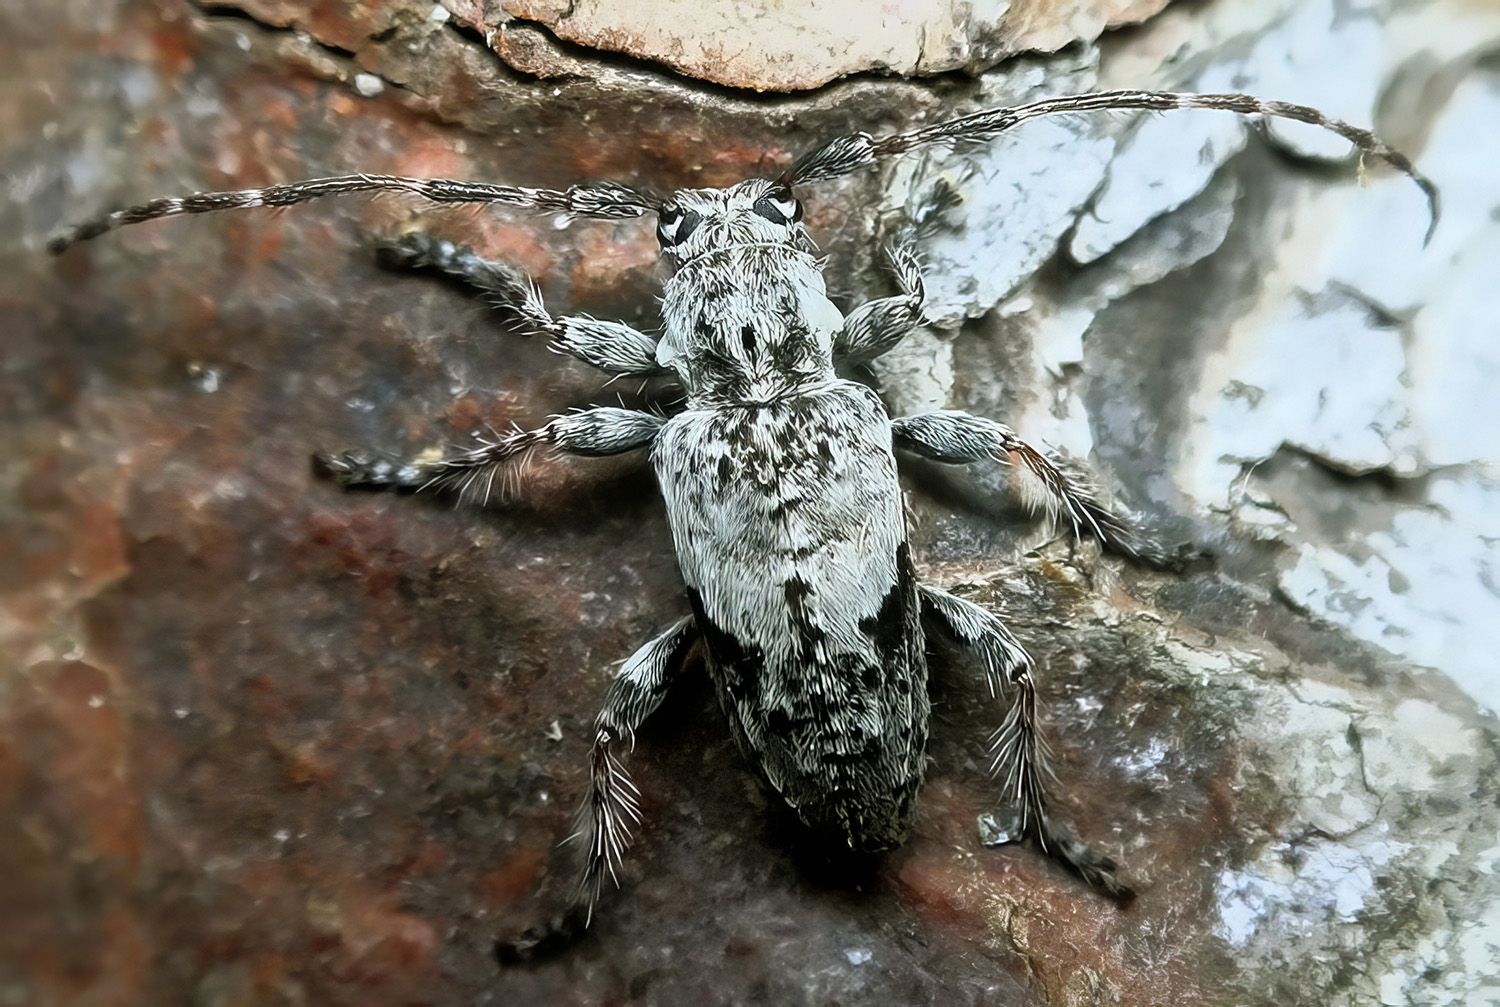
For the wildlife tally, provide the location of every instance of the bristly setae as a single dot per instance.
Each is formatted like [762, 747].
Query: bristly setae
[780, 484]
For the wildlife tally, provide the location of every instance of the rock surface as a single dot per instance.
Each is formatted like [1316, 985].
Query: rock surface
[771, 46]
[263, 742]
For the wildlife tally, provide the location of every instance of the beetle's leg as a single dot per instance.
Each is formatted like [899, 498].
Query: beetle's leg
[876, 326]
[610, 346]
[420, 252]
[1047, 484]
[609, 808]
[1020, 754]
[602, 827]
[473, 474]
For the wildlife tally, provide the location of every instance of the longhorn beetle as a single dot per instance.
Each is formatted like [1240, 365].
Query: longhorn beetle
[780, 483]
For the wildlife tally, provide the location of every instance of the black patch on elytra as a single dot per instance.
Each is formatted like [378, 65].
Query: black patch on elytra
[741, 666]
[868, 752]
[747, 339]
[889, 626]
[796, 591]
[782, 509]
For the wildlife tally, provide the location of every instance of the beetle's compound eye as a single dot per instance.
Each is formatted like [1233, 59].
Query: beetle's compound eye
[779, 206]
[674, 224]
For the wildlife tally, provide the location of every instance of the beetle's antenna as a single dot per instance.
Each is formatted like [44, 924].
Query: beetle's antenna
[606, 200]
[859, 150]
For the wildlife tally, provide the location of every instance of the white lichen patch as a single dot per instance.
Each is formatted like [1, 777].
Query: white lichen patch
[1017, 208]
[1329, 56]
[1324, 377]
[1159, 166]
[1380, 885]
[1406, 751]
[1300, 889]
[1426, 589]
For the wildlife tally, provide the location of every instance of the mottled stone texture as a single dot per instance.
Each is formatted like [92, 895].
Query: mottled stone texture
[263, 742]
[769, 45]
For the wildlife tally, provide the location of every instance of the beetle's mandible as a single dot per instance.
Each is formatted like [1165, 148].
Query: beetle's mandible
[780, 483]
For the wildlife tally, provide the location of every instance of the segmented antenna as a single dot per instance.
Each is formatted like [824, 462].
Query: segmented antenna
[860, 150]
[606, 200]
[613, 201]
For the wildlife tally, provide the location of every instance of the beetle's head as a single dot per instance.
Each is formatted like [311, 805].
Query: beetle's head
[757, 211]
